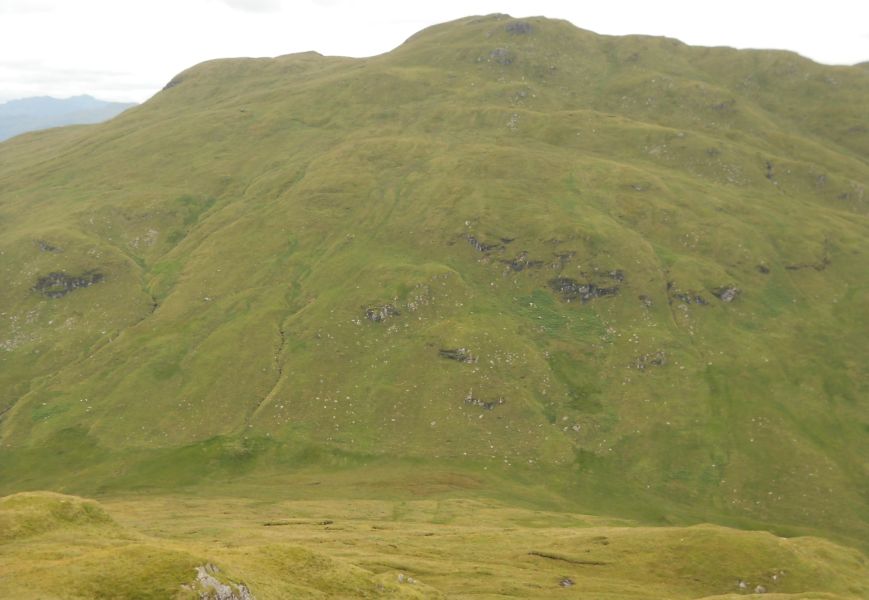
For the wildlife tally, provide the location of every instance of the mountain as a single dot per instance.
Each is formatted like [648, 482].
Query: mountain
[31, 114]
[510, 259]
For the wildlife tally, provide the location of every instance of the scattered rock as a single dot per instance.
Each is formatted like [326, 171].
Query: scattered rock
[473, 401]
[381, 313]
[402, 578]
[59, 284]
[518, 28]
[566, 582]
[763, 269]
[690, 297]
[760, 589]
[570, 289]
[769, 173]
[741, 584]
[617, 275]
[727, 293]
[458, 354]
[655, 359]
[647, 302]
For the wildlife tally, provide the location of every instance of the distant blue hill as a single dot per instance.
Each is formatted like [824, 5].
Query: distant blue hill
[30, 114]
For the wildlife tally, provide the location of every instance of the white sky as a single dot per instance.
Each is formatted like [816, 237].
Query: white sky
[128, 49]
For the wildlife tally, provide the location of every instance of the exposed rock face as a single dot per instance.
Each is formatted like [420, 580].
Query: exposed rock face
[210, 587]
[381, 313]
[570, 289]
[59, 284]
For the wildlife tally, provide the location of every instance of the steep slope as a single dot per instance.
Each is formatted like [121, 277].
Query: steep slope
[31, 114]
[625, 269]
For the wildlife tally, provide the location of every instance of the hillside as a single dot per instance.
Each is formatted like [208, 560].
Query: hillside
[612, 275]
[31, 114]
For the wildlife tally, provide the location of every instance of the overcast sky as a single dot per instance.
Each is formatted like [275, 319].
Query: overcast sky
[128, 49]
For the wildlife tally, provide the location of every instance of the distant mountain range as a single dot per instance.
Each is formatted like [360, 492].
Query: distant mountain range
[42, 112]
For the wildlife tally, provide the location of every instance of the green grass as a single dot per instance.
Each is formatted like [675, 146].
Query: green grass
[246, 218]
[328, 548]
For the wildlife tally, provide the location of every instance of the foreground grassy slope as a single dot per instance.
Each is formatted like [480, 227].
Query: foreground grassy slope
[651, 256]
[151, 547]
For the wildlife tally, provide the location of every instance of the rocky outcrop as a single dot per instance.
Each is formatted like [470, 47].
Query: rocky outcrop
[685, 297]
[381, 313]
[653, 359]
[459, 355]
[59, 284]
[727, 293]
[472, 400]
[481, 246]
[209, 587]
[522, 262]
[518, 28]
[570, 289]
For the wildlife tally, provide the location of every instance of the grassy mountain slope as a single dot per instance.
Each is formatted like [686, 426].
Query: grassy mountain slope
[648, 258]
